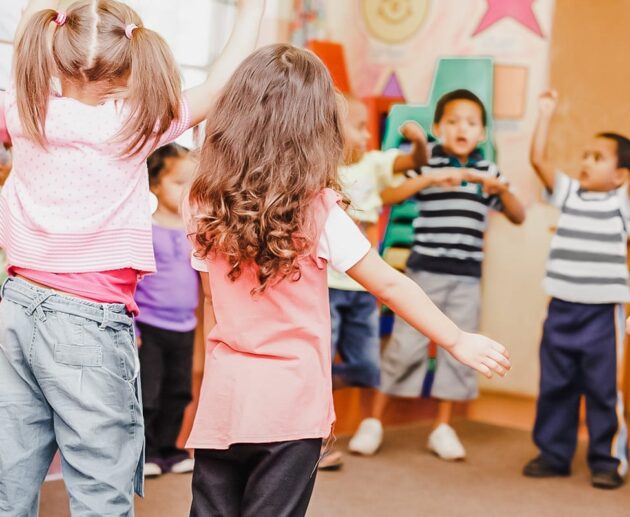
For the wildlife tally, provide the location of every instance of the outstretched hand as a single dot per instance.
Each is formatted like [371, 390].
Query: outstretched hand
[448, 177]
[481, 353]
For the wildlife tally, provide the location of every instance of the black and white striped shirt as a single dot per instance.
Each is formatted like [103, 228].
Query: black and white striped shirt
[450, 227]
[588, 260]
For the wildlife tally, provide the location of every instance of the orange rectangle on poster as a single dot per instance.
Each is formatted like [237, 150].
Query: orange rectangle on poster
[510, 91]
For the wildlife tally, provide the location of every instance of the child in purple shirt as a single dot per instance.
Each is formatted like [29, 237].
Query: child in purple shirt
[167, 321]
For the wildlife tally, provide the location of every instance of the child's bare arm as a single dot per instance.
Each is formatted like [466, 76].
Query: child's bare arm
[209, 319]
[448, 178]
[418, 155]
[513, 208]
[241, 43]
[31, 8]
[410, 302]
[538, 151]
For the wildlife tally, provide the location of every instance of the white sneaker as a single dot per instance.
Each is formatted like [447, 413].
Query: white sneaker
[443, 441]
[152, 470]
[183, 467]
[368, 437]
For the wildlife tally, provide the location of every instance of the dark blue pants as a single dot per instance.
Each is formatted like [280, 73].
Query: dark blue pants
[580, 354]
[354, 319]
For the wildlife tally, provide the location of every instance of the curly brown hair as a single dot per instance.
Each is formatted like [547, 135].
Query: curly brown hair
[273, 142]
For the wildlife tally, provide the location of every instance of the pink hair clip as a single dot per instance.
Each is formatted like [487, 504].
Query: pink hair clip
[61, 18]
[129, 30]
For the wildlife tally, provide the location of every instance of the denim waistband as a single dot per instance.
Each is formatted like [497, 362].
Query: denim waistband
[39, 299]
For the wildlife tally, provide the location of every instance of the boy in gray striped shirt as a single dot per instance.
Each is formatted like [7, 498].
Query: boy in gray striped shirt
[587, 278]
[455, 192]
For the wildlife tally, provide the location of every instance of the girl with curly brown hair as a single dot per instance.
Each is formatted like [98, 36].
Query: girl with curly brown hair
[268, 220]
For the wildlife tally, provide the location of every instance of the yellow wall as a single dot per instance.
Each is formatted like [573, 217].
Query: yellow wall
[591, 71]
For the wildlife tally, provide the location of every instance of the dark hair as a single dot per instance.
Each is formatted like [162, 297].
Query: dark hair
[457, 95]
[623, 148]
[156, 162]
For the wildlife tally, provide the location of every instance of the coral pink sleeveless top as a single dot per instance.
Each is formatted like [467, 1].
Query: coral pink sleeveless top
[267, 369]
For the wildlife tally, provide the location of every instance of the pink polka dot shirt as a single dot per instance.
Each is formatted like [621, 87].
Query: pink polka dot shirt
[76, 206]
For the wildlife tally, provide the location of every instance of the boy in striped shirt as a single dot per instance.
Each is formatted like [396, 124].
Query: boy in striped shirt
[587, 278]
[455, 192]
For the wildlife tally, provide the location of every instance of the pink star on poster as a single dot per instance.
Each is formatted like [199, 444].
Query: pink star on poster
[519, 10]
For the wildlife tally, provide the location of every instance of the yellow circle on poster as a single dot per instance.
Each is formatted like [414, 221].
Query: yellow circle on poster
[394, 21]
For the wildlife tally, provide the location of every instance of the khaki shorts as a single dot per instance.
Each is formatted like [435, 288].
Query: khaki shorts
[407, 370]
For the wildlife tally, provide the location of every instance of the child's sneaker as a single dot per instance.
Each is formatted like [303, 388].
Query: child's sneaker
[368, 437]
[183, 466]
[443, 441]
[330, 460]
[180, 463]
[152, 468]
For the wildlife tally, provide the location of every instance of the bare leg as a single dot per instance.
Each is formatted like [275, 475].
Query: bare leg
[366, 401]
[379, 404]
[444, 413]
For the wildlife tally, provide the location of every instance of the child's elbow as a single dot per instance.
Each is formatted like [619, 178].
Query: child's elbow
[387, 288]
[388, 197]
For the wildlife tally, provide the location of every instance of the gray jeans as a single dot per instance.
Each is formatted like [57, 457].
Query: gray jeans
[68, 379]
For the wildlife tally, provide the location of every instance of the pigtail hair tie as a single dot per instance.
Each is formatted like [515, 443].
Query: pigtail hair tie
[60, 19]
[129, 30]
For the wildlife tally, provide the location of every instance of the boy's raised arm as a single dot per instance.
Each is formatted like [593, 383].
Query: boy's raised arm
[418, 155]
[538, 151]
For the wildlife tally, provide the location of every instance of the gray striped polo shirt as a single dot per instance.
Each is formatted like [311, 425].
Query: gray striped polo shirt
[588, 260]
[451, 223]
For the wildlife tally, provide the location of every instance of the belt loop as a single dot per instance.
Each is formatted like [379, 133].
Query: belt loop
[36, 305]
[105, 319]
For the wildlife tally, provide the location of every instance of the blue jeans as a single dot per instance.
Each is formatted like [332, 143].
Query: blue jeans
[354, 318]
[68, 379]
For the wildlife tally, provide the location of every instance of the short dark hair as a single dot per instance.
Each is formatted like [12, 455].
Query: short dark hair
[456, 95]
[156, 162]
[623, 148]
